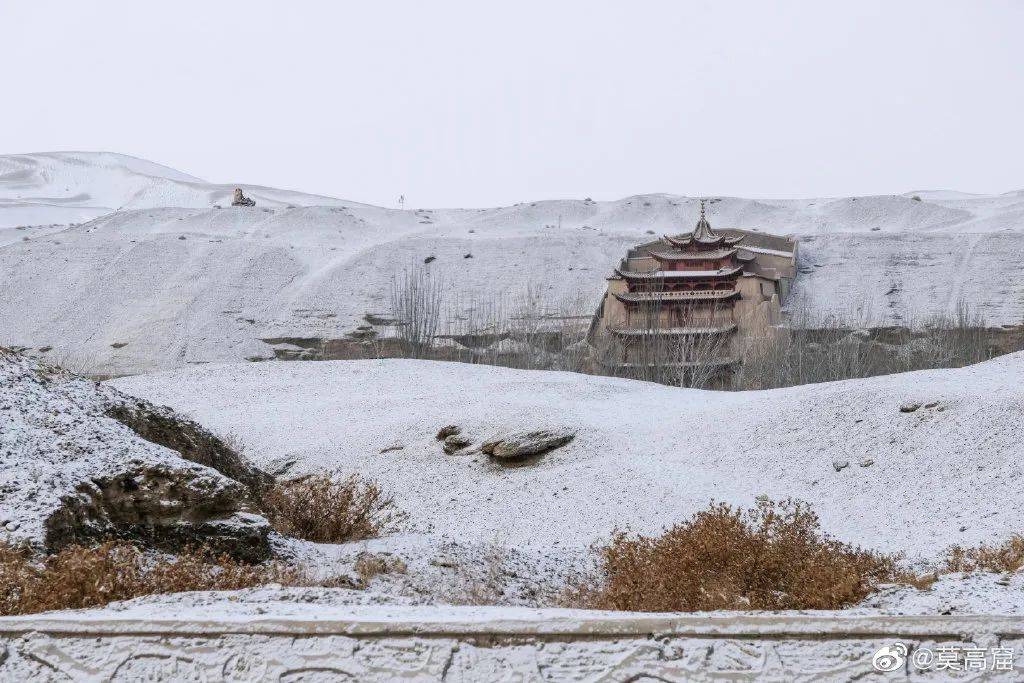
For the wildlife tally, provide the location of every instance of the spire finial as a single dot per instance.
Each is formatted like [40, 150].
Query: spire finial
[702, 231]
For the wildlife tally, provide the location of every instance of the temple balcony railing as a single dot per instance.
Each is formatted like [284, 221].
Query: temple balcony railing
[710, 362]
[682, 295]
[681, 330]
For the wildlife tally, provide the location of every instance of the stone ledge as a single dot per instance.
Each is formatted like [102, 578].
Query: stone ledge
[511, 622]
[483, 644]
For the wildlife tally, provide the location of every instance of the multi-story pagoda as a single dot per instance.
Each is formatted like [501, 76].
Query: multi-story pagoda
[675, 307]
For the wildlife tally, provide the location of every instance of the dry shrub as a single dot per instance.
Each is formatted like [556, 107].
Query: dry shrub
[773, 556]
[16, 579]
[1007, 557]
[79, 577]
[922, 582]
[370, 565]
[479, 580]
[322, 510]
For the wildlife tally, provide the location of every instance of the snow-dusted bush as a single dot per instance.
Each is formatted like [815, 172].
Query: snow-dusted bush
[320, 509]
[79, 577]
[773, 556]
[1006, 557]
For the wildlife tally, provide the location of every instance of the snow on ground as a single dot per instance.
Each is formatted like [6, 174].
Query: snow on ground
[646, 455]
[976, 593]
[160, 279]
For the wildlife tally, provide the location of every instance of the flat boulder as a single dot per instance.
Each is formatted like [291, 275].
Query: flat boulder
[517, 445]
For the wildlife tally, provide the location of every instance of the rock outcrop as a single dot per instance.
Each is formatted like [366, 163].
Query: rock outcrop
[80, 461]
[519, 445]
[163, 426]
[446, 431]
[456, 442]
[240, 199]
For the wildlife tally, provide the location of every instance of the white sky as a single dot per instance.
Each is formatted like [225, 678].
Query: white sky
[483, 103]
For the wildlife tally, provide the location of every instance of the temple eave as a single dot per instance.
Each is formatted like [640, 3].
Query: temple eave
[712, 362]
[689, 296]
[691, 256]
[679, 274]
[671, 331]
[690, 239]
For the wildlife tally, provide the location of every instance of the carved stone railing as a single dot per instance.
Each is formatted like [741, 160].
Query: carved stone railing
[474, 644]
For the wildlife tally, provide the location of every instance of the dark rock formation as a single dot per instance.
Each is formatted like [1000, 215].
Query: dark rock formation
[240, 199]
[446, 431]
[161, 425]
[456, 442]
[81, 462]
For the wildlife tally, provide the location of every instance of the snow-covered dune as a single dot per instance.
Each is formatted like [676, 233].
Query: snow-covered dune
[159, 278]
[70, 187]
[645, 455]
[903, 278]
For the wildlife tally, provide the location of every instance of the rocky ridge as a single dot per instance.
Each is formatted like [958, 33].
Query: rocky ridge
[80, 461]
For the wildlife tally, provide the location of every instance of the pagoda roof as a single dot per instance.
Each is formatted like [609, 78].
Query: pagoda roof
[691, 255]
[675, 297]
[678, 274]
[688, 239]
[702, 235]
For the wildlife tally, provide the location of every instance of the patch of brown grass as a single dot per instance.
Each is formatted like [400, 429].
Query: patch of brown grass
[1006, 557]
[479, 580]
[320, 509]
[773, 556]
[370, 565]
[922, 582]
[79, 577]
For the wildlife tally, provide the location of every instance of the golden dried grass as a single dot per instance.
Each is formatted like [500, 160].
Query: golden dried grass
[323, 510]
[770, 557]
[1005, 557]
[79, 577]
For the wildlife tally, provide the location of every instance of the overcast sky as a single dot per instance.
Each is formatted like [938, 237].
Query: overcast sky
[488, 103]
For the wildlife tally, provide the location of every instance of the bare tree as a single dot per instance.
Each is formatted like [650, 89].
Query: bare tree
[812, 348]
[691, 345]
[524, 329]
[416, 297]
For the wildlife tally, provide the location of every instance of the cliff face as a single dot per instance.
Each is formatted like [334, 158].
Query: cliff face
[80, 461]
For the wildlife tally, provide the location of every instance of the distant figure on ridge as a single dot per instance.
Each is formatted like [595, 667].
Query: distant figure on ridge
[241, 200]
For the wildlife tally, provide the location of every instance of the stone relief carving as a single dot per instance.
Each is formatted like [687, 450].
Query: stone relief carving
[235, 658]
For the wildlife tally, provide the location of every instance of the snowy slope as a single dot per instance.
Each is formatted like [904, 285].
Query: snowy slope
[171, 280]
[903, 278]
[71, 187]
[645, 455]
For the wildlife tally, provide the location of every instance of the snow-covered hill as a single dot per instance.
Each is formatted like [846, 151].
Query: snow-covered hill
[911, 462]
[70, 187]
[160, 278]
